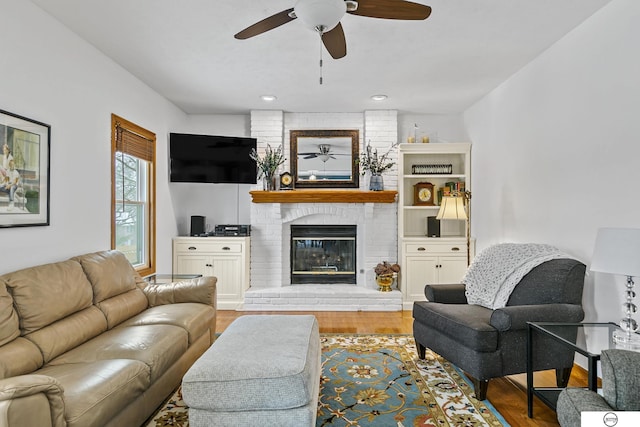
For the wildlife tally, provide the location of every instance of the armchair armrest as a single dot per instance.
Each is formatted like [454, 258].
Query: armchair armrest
[202, 290]
[447, 294]
[21, 401]
[621, 379]
[516, 316]
[573, 401]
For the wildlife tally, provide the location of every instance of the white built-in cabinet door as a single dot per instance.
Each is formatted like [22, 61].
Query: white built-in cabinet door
[226, 258]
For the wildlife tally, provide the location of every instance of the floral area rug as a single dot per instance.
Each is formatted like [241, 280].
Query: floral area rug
[378, 381]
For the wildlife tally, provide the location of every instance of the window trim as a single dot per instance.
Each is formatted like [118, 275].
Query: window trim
[136, 132]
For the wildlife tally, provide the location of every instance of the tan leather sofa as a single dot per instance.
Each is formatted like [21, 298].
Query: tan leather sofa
[86, 342]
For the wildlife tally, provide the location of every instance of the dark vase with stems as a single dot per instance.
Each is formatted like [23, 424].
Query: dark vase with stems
[376, 183]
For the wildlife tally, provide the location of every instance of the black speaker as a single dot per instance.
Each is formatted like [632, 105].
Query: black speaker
[433, 227]
[197, 225]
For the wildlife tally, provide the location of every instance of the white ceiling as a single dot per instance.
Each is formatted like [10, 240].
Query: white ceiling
[185, 50]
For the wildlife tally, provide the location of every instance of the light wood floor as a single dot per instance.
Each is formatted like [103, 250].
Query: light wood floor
[508, 395]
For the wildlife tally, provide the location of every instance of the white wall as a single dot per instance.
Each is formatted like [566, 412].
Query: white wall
[556, 148]
[52, 76]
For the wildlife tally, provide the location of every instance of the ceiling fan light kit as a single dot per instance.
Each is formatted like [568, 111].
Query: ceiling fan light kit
[320, 15]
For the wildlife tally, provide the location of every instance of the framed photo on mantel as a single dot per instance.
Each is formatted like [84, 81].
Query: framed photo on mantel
[24, 171]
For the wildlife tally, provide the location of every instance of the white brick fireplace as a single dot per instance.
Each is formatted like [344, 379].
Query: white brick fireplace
[271, 287]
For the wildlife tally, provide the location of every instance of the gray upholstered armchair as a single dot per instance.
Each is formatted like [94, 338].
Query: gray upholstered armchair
[488, 343]
[620, 389]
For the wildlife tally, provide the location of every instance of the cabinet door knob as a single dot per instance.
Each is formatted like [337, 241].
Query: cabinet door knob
[192, 248]
[226, 248]
[208, 265]
[421, 248]
[455, 248]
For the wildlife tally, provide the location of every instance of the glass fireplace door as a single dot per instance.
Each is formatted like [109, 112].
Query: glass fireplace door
[323, 254]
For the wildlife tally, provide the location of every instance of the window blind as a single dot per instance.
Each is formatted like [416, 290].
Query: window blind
[134, 144]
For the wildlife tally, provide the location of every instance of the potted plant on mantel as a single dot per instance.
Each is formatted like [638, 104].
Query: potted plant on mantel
[376, 164]
[268, 165]
[386, 274]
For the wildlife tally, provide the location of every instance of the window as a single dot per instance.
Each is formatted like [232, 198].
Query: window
[133, 192]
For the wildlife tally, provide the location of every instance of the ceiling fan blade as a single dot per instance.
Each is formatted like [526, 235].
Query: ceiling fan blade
[335, 42]
[392, 9]
[266, 24]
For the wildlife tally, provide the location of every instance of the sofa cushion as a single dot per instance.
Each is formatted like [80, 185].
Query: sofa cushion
[467, 323]
[19, 357]
[9, 324]
[69, 332]
[121, 307]
[194, 318]
[109, 272]
[88, 402]
[114, 285]
[158, 346]
[47, 293]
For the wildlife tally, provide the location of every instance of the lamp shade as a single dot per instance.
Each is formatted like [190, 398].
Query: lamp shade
[617, 251]
[320, 14]
[452, 207]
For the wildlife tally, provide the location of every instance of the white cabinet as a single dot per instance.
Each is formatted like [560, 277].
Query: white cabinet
[431, 263]
[226, 258]
[426, 259]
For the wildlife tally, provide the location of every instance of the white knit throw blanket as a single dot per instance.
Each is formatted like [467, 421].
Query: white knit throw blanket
[496, 271]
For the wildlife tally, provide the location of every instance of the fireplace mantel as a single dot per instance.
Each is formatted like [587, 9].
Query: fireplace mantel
[323, 196]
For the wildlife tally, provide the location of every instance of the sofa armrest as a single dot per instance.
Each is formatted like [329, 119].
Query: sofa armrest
[446, 294]
[202, 290]
[29, 399]
[516, 316]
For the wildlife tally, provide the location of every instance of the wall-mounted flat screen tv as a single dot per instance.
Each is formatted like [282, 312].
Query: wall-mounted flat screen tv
[211, 158]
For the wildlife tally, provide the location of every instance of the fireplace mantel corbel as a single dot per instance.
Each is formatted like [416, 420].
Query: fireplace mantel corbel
[323, 196]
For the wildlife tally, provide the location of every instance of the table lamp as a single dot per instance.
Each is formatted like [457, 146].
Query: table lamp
[453, 207]
[617, 251]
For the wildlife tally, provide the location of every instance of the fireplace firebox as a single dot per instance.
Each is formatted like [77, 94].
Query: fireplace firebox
[323, 254]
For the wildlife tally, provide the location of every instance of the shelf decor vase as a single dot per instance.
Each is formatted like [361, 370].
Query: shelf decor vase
[384, 281]
[376, 183]
[269, 182]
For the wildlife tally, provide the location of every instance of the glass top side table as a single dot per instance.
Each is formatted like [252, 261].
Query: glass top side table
[588, 339]
[156, 279]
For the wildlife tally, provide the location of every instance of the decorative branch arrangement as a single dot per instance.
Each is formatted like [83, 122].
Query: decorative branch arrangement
[269, 163]
[371, 161]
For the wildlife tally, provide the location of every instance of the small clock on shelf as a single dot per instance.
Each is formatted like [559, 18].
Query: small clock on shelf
[423, 194]
[286, 181]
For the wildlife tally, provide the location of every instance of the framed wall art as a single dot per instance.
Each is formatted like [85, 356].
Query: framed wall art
[324, 158]
[24, 171]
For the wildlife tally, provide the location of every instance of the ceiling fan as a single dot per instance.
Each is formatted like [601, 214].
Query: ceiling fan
[324, 17]
[324, 153]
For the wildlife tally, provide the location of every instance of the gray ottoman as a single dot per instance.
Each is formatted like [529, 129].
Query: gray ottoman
[263, 370]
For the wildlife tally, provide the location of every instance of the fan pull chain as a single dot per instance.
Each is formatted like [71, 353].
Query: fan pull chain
[320, 58]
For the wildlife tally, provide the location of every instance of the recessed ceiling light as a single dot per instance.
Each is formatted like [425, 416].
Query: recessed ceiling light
[379, 97]
[268, 98]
